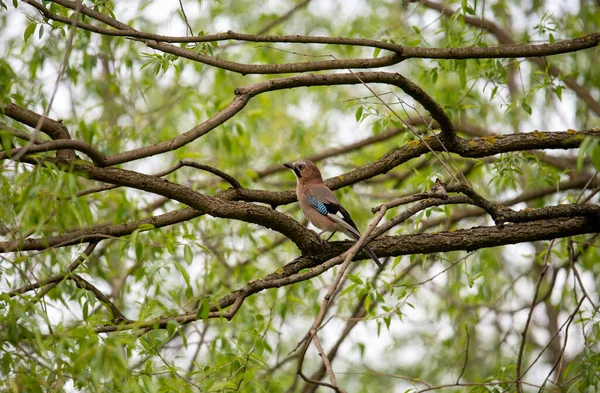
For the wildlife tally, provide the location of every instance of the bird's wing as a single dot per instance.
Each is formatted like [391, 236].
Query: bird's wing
[322, 199]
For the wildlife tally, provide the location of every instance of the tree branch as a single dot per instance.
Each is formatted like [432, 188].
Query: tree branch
[158, 41]
[307, 267]
[54, 129]
[61, 144]
[504, 38]
[117, 315]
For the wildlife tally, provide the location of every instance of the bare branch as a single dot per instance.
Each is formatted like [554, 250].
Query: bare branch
[117, 315]
[54, 280]
[61, 144]
[284, 17]
[159, 42]
[504, 38]
[305, 268]
[228, 178]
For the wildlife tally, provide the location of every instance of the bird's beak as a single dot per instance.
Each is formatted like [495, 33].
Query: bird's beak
[291, 166]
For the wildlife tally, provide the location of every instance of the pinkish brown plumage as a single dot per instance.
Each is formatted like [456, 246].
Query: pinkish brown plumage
[319, 204]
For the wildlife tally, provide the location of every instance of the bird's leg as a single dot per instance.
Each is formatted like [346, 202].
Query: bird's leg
[330, 236]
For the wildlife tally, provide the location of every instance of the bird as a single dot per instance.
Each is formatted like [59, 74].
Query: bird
[319, 204]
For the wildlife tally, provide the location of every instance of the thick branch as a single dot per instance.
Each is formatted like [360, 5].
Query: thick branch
[466, 239]
[223, 207]
[54, 129]
[244, 94]
[504, 38]
[476, 147]
[158, 41]
[100, 233]
[62, 144]
[524, 197]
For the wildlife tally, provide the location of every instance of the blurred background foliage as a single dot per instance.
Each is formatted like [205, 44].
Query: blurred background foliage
[118, 95]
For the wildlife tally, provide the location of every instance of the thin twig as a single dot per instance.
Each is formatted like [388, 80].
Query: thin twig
[529, 316]
[51, 282]
[348, 256]
[408, 125]
[576, 272]
[117, 315]
[283, 17]
[187, 23]
[464, 367]
[59, 76]
[228, 178]
[326, 362]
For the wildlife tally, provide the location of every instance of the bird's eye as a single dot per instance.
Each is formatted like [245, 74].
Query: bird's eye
[301, 167]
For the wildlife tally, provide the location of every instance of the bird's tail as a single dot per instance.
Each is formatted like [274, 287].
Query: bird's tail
[356, 236]
[373, 256]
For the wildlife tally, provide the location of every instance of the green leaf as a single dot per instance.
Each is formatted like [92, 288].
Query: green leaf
[494, 91]
[171, 326]
[85, 310]
[558, 91]
[145, 227]
[349, 288]
[462, 73]
[590, 147]
[187, 254]
[6, 141]
[358, 113]
[183, 271]
[467, 9]
[29, 31]
[139, 251]
[526, 107]
[355, 279]
[203, 310]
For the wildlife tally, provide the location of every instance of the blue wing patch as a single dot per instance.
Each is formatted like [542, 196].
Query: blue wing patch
[318, 205]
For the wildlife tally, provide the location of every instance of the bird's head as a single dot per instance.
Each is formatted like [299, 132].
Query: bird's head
[305, 170]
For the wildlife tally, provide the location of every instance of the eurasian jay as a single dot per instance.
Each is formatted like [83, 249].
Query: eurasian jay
[319, 204]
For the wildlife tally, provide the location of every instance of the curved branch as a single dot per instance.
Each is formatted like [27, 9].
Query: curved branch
[160, 42]
[228, 178]
[117, 315]
[62, 144]
[19, 134]
[476, 147]
[305, 268]
[196, 132]
[524, 197]
[505, 38]
[287, 68]
[245, 93]
[54, 129]
[100, 233]
[355, 78]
